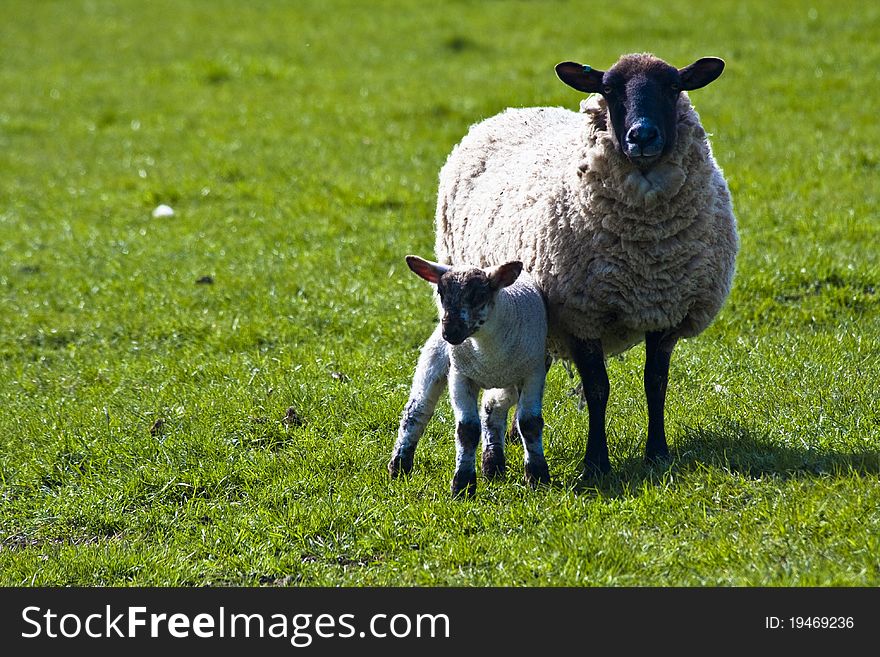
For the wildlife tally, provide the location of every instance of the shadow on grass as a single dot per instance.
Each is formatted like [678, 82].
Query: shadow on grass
[737, 449]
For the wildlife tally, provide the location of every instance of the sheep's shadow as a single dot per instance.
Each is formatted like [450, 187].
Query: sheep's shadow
[736, 448]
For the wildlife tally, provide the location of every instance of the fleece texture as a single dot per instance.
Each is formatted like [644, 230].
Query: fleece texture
[507, 358]
[616, 252]
[511, 345]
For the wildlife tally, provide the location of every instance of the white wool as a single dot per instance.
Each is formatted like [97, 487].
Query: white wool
[616, 252]
[511, 345]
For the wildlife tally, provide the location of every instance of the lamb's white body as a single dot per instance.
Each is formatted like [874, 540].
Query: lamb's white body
[507, 357]
[511, 345]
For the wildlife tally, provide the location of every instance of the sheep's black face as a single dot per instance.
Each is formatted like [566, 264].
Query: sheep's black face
[641, 92]
[642, 99]
[466, 297]
[466, 294]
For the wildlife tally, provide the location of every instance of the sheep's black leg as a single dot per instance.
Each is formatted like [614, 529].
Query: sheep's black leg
[590, 362]
[658, 351]
[464, 480]
[537, 470]
[495, 409]
[531, 427]
[463, 396]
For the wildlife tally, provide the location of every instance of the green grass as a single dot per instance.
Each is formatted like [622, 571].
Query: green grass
[299, 144]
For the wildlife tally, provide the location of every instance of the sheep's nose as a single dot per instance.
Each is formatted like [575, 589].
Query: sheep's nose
[643, 134]
[454, 332]
[455, 336]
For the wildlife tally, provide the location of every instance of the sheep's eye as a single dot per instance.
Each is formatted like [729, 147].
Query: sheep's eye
[675, 88]
[607, 90]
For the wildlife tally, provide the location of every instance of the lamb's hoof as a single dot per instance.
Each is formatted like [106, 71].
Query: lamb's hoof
[537, 472]
[399, 465]
[493, 462]
[464, 484]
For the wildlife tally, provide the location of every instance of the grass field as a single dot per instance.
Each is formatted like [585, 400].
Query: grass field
[299, 145]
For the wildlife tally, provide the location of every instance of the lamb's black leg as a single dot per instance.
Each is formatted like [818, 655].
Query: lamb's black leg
[464, 480]
[590, 362]
[658, 351]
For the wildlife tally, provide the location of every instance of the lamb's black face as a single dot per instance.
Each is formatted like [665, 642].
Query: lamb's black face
[642, 99]
[466, 297]
[641, 92]
[466, 294]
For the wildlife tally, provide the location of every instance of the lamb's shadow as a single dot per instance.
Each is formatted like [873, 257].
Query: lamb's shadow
[736, 448]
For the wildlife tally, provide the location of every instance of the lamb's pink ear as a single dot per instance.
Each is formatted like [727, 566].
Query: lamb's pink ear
[700, 73]
[504, 275]
[430, 271]
[580, 76]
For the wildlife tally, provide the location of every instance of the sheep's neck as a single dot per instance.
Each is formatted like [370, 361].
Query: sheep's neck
[494, 334]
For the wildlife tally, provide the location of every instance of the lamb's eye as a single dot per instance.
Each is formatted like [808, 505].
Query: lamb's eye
[607, 90]
[675, 88]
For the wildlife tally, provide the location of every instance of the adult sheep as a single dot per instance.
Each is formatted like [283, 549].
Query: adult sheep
[619, 212]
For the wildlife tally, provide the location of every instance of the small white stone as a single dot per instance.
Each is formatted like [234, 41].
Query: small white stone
[161, 211]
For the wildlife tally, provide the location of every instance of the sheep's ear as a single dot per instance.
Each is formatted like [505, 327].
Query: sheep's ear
[700, 73]
[581, 77]
[430, 271]
[504, 275]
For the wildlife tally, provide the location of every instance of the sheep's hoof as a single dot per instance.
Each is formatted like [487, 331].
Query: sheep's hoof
[493, 462]
[658, 457]
[464, 484]
[537, 472]
[596, 470]
[656, 447]
[399, 465]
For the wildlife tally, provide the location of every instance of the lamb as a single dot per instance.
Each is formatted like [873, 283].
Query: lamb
[492, 335]
[619, 212]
